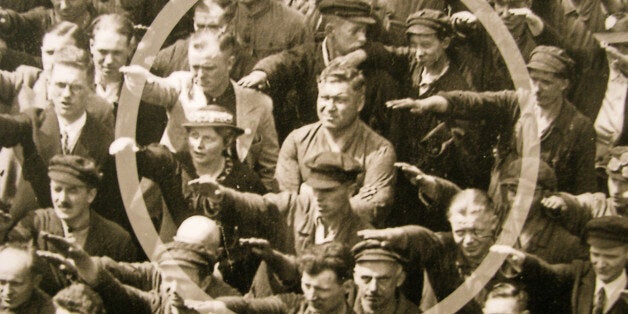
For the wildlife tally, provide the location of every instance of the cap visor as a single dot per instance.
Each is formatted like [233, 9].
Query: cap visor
[238, 130]
[419, 29]
[362, 19]
[318, 183]
[612, 37]
[604, 243]
[540, 66]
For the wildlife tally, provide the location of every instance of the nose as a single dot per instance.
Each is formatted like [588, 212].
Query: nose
[311, 295]
[196, 143]
[63, 4]
[67, 91]
[62, 196]
[361, 38]
[468, 239]
[107, 59]
[372, 285]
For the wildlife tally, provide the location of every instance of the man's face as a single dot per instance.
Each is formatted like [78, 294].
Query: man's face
[209, 19]
[110, 51]
[503, 9]
[511, 192]
[70, 10]
[330, 202]
[206, 145]
[68, 90]
[618, 190]
[348, 36]
[211, 67]
[548, 87]
[377, 282]
[323, 292]
[71, 201]
[50, 44]
[16, 280]
[473, 233]
[608, 263]
[338, 105]
[502, 306]
[429, 49]
[182, 277]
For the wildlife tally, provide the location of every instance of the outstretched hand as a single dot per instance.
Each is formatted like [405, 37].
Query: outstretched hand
[255, 79]
[121, 144]
[207, 186]
[260, 247]
[134, 77]
[86, 268]
[433, 104]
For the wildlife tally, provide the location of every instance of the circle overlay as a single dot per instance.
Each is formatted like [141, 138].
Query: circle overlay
[150, 241]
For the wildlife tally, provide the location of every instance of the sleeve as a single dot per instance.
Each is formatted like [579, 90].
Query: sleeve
[445, 191]
[547, 283]
[164, 61]
[31, 22]
[161, 91]
[10, 83]
[582, 208]
[282, 67]
[501, 106]
[11, 59]
[267, 161]
[373, 201]
[277, 304]
[423, 245]
[287, 173]
[15, 129]
[584, 158]
[120, 298]
[138, 275]
[394, 60]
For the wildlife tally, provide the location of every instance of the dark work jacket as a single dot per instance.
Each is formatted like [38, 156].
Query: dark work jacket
[570, 286]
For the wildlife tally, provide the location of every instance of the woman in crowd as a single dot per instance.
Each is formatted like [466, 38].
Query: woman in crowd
[211, 134]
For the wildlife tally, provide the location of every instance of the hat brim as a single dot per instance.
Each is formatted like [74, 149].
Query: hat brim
[189, 125]
[361, 19]
[534, 65]
[612, 37]
[322, 183]
[419, 29]
[66, 178]
[603, 242]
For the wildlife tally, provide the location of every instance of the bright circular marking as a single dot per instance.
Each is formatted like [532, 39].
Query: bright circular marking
[149, 239]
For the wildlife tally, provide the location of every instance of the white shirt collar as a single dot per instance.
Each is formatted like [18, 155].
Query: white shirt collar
[73, 129]
[612, 289]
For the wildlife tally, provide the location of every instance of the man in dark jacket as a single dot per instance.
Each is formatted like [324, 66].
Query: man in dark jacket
[596, 286]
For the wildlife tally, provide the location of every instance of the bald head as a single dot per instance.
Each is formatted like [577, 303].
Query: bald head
[199, 230]
[18, 277]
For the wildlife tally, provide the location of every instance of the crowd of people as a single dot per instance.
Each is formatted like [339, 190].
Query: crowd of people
[315, 156]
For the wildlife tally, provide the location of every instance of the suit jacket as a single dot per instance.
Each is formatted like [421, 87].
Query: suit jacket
[572, 284]
[104, 238]
[37, 131]
[258, 146]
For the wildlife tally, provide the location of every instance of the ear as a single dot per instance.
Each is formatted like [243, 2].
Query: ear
[362, 100]
[348, 286]
[493, 222]
[400, 279]
[231, 62]
[37, 279]
[329, 29]
[91, 194]
[446, 42]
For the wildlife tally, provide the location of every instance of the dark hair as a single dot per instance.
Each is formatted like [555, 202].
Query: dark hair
[334, 256]
[114, 22]
[69, 30]
[343, 73]
[508, 290]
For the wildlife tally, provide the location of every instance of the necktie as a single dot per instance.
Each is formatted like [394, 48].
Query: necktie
[600, 299]
[65, 143]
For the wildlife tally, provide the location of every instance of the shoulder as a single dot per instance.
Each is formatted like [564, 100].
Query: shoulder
[304, 132]
[252, 97]
[114, 232]
[290, 15]
[374, 140]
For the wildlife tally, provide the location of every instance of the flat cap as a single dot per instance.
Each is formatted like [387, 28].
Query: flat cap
[607, 231]
[550, 59]
[73, 169]
[354, 10]
[196, 254]
[212, 116]
[546, 176]
[79, 298]
[428, 21]
[376, 250]
[330, 169]
[616, 29]
[617, 162]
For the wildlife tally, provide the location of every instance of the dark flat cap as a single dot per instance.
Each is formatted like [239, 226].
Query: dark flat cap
[607, 231]
[196, 254]
[329, 170]
[546, 176]
[213, 116]
[550, 59]
[616, 29]
[375, 250]
[617, 162]
[428, 21]
[354, 10]
[73, 169]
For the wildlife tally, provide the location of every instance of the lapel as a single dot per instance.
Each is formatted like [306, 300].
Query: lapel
[86, 141]
[586, 290]
[92, 242]
[248, 116]
[49, 136]
[304, 224]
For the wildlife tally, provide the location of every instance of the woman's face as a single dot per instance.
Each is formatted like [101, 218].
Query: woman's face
[205, 144]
